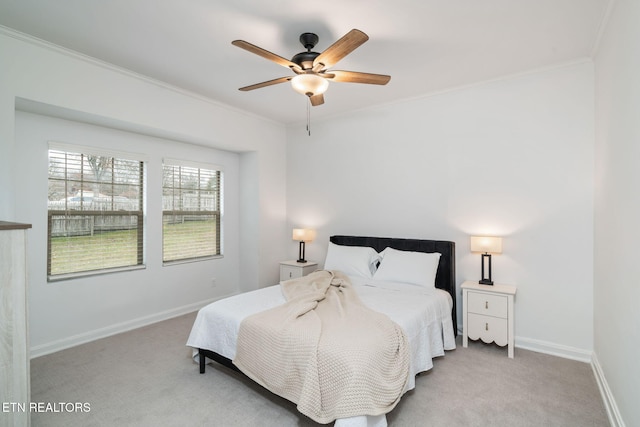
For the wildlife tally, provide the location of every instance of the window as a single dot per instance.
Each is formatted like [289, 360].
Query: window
[190, 211]
[95, 213]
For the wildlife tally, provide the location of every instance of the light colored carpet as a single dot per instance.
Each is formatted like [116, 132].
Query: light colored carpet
[146, 378]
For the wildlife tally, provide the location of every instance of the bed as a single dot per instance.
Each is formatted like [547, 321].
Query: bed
[427, 314]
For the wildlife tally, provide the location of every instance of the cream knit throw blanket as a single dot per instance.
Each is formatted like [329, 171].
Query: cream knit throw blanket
[326, 351]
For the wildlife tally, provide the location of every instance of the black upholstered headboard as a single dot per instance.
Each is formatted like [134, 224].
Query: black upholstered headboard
[446, 274]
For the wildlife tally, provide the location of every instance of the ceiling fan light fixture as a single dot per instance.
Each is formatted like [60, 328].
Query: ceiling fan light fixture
[309, 84]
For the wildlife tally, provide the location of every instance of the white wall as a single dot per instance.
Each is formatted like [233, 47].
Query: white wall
[617, 214]
[40, 77]
[512, 158]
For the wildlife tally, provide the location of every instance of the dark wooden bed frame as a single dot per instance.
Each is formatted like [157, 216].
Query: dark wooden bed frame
[445, 276]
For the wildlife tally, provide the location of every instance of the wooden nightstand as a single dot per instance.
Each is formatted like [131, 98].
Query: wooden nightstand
[293, 269]
[487, 313]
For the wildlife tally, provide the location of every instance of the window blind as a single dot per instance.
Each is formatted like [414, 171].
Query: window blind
[191, 211]
[95, 213]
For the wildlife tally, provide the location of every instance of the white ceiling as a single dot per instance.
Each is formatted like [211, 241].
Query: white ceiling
[425, 45]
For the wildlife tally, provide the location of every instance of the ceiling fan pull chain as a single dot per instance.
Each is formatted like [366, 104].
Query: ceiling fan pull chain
[309, 117]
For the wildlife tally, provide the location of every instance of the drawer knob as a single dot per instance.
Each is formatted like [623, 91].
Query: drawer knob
[290, 274]
[486, 305]
[486, 326]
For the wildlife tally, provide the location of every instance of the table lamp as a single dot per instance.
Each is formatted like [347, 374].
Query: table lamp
[303, 235]
[486, 245]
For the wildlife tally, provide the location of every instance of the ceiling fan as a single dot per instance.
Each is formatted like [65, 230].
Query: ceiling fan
[311, 68]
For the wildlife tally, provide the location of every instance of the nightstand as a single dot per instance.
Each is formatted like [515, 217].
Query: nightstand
[293, 269]
[487, 313]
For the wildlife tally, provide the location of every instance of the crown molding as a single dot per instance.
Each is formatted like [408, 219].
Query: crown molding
[27, 38]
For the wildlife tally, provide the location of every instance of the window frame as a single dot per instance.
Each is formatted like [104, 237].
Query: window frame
[139, 214]
[217, 214]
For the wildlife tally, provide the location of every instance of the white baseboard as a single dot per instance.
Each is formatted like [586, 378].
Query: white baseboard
[607, 397]
[72, 341]
[554, 349]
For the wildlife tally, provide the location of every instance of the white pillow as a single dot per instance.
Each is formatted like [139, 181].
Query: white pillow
[352, 260]
[416, 268]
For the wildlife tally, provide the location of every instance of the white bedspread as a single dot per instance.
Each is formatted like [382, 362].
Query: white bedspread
[424, 315]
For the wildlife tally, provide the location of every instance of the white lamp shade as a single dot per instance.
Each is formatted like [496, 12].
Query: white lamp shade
[486, 244]
[304, 234]
[309, 84]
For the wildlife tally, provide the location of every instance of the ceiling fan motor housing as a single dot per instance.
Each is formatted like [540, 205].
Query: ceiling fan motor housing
[305, 59]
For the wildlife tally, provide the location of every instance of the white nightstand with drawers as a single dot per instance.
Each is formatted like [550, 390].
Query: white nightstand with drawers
[487, 313]
[294, 269]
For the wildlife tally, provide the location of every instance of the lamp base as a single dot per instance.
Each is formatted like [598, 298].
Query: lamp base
[301, 259]
[486, 279]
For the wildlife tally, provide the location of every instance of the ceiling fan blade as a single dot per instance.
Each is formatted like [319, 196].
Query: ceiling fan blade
[357, 77]
[341, 48]
[317, 100]
[267, 55]
[267, 83]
